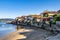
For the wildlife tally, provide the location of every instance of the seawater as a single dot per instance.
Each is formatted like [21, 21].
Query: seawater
[6, 28]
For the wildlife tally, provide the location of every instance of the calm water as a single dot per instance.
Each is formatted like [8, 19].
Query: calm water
[6, 28]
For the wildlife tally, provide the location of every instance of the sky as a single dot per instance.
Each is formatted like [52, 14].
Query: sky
[15, 8]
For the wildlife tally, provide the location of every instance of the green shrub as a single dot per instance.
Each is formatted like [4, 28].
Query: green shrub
[53, 22]
[56, 18]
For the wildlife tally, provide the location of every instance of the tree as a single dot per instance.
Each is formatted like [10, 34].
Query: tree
[56, 18]
[45, 15]
[54, 15]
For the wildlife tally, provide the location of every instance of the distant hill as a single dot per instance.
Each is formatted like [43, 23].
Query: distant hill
[6, 19]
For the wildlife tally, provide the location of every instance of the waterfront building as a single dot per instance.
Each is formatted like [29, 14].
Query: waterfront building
[47, 14]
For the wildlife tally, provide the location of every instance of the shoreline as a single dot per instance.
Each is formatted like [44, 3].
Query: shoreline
[27, 34]
[6, 36]
[15, 35]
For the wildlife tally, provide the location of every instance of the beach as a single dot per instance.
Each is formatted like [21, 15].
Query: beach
[27, 34]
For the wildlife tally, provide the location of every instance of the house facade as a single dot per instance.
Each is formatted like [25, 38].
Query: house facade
[47, 14]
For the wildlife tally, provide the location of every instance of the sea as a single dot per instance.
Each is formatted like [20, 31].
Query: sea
[6, 28]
